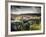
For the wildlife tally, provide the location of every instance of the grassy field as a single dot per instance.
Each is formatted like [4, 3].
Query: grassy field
[35, 27]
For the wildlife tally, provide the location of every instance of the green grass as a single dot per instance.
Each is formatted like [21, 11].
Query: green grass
[35, 27]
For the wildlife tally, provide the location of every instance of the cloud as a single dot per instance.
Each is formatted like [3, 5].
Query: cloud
[25, 9]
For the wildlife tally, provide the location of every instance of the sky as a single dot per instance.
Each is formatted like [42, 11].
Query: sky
[25, 9]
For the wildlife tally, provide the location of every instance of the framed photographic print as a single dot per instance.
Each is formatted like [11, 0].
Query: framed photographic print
[25, 18]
